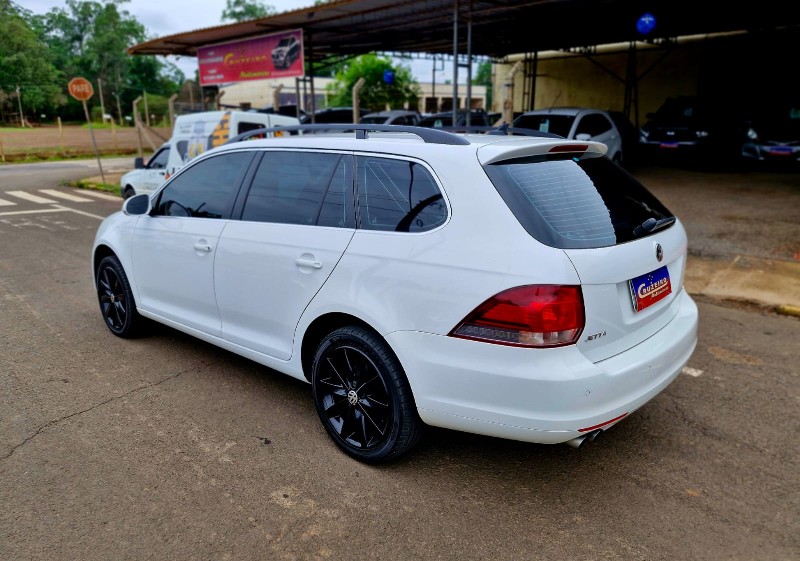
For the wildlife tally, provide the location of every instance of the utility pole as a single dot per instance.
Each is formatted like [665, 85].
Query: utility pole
[21, 115]
[102, 103]
[119, 109]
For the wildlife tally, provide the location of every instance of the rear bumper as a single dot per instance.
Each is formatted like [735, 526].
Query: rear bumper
[539, 395]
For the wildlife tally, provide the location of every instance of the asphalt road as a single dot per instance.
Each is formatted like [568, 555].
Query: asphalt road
[168, 448]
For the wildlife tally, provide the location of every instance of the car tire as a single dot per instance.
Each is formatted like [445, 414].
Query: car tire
[116, 299]
[362, 396]
[128, 192]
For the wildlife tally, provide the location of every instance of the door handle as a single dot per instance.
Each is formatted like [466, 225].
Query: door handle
[314, 264]
[200, 246]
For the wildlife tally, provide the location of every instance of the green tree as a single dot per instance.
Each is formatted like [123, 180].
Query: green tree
[376, 93]
[25, 63]
[242, 10]
[90, 39]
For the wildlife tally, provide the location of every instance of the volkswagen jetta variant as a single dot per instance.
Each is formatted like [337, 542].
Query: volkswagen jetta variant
[519, 287]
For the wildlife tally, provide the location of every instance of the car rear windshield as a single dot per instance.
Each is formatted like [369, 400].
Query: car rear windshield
[556, 124]
[574, 202]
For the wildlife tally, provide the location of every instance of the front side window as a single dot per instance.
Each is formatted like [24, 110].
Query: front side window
[398, 196]
[574, 202]
[159, 161]
[205, 189]
[293, 188]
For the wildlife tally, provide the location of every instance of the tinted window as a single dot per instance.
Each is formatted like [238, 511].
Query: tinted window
[247, 127]
[398, 195]
[159, 161]
[593, 125]
[291, 187]
[205, 189]
[556, 124]
[575, 202]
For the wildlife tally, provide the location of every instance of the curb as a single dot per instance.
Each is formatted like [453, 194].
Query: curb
[788, 310]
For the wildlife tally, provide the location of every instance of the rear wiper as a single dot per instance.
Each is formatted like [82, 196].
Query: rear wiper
[651, 225]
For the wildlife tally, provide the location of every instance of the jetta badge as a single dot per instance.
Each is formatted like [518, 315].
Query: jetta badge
[659, 253]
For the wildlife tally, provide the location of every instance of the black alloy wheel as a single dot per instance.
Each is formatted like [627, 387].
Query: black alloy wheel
[116, 298]
[362, 396]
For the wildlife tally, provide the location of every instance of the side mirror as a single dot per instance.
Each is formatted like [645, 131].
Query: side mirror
[138, 163]
[137, 205]
[583, 136]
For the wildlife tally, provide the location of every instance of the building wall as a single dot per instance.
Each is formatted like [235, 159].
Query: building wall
[741, 73]
[259, 94]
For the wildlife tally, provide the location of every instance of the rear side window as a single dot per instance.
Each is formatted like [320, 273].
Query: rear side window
[292, 188]
[398, 196]
[576, 202]
[555, 124]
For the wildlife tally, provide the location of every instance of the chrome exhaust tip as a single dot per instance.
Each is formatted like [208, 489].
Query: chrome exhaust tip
[584, 438]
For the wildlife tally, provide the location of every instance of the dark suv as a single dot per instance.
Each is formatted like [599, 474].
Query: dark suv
[478, 118]
[694, 127]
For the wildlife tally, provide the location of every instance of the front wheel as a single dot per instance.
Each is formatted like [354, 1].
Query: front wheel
[362, 396]
[116, 299]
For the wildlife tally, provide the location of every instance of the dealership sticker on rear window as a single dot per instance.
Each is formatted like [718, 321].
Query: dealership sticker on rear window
[648, 289]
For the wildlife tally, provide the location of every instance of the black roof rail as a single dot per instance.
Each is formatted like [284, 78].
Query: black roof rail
[503, 130]
[428, 135]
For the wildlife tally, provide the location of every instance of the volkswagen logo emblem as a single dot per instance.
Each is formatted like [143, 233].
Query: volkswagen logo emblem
[659, 252]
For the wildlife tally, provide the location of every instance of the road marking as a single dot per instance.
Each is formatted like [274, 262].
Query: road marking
[65, 196]
[66, 209]
[104, 196]
[694, 372]
[29, 197]
[19, 212]
[6, 203]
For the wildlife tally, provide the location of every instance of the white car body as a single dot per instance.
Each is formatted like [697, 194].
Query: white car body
[585, 124]
[261, 290]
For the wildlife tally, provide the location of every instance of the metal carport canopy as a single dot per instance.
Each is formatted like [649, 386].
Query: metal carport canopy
[499, 27]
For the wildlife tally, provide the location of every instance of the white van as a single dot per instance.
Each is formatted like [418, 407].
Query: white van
[192, 135]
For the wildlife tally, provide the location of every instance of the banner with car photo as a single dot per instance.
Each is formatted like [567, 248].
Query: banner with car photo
[277, 55]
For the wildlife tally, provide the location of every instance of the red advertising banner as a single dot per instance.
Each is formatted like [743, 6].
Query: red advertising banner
[278, 55]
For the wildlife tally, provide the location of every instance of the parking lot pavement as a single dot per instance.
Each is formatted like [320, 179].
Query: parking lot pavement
[763, 282]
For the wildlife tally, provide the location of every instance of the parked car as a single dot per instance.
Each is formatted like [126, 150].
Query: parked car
[478, 118]
[286, 52]
[394, 117]
[192, 135]
[342, 115]
[576, 123]
[694, 127]
[774, 136]
[364, 265]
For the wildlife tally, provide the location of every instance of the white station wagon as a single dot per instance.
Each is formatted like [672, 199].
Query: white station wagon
[520, 287]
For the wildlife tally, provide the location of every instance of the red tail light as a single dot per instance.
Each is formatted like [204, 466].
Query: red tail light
[527, 316]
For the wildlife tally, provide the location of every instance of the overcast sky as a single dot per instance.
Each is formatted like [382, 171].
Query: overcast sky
[168, 17]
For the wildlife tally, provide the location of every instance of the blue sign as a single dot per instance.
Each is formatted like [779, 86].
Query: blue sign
[388, 76]
[646, 23]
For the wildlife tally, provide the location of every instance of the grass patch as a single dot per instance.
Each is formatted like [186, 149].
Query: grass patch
[94, 186]
[50, 156]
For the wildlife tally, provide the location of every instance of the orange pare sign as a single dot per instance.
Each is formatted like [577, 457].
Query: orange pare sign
[80, 88]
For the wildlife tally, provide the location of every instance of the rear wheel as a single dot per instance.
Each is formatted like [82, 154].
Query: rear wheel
[128, 192]
[362, 396]
[116, 299]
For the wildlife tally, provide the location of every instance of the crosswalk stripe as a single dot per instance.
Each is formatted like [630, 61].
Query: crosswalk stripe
[65, 196]
[104, 196]
[30, 197]
[6, 203]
